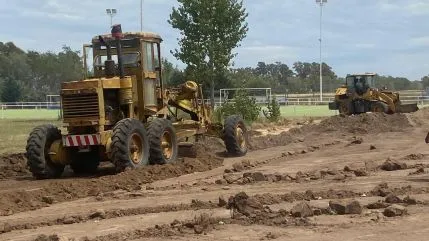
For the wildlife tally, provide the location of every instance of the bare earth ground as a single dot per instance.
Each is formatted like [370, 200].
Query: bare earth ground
[368, 158]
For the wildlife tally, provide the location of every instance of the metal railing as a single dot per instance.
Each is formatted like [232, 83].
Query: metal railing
[261, 100]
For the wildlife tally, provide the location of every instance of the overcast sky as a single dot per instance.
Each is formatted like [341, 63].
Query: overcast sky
[390, 37]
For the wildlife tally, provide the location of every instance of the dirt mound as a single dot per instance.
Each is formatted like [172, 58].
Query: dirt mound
[13, 165]
[363, 123]
[356, 124]
[262, 142]
[53, 237]
[61, 190]
[383, 190]
[420, 117]
[201, 224]
[250, 210]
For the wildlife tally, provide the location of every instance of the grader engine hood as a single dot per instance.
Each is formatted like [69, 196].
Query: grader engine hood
[341, 91]
[83, 101]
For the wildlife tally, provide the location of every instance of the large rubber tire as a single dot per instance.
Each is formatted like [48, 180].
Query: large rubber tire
[380, 107]
[85, 162]
[345, 108]
[160, 130]
[233, 142]
[37, 152]
[129, 134]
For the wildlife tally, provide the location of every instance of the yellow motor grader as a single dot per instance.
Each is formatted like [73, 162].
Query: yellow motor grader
[358, 95]
[123, 113]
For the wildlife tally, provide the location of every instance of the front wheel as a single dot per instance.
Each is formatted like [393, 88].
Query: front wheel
[37, 152]
[345, 108]
[380, 107]
[235, 136]
[163, 141]
[130, 146]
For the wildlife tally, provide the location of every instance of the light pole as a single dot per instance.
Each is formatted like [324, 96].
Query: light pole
[111, 12]
[321, 3]
[141, 15]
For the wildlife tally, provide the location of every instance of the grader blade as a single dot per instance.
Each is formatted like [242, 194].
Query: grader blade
[407, 108]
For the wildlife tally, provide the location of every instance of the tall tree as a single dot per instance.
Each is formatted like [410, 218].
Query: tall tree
[425, 81]
[210, 30]
[11, 91]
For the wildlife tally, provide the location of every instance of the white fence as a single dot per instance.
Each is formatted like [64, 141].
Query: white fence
[30, 105]
[262, 100]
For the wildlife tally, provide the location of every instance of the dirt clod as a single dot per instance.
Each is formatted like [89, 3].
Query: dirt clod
[395, 210]
[372, 147]
[356, 141]
[221, 182]
[222, 202]
[410, 201]
[238, 167]
[53, 237]
[13, 165]
[377, 205]
[258, 176]
[391, 198]
[419, 171]
[381, 190]
[4, 228]
[100, 213]
[390, 165]
[360, 172]
[241, 203]
[231, 177]
[414, 156]
[271, 236]
[48, 199]
[302, 210]
[342, 207]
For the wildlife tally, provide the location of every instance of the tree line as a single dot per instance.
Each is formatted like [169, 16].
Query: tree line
[31, 75]
[302, 77]
[209, 30]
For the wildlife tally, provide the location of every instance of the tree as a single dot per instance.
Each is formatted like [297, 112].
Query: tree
[425, 81]
[210, 30]
[11, 91]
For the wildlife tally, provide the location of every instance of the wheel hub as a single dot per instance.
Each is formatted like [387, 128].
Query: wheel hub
[136, 149]
[166, 145]
[239, 132]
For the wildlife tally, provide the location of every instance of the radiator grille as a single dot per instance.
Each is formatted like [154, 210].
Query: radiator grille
[80, 106]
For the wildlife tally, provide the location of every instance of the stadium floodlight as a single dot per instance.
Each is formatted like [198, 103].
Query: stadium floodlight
[321, 3]
[111, 12]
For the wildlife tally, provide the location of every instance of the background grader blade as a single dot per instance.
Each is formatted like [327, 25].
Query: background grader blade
[407, 108]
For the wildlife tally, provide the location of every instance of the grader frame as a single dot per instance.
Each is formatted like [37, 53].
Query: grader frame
[123, 113]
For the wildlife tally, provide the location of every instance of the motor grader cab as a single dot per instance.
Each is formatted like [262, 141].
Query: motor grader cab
[124, 115]
[359, 95]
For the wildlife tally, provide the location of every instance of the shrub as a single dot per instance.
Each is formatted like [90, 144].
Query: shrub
[273, 110]
[242, 105]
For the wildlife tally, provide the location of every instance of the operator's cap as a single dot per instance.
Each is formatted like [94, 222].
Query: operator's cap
[116, 31]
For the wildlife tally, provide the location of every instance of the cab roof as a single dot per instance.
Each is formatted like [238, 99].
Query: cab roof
[131, 35]
[362, 74]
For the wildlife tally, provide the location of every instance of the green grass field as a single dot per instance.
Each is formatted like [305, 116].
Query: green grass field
[287, 111]
[306, 111]
[14, 133]
[29, 114]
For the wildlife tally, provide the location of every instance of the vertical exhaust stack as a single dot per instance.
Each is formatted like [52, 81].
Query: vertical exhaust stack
[117, 34]
[109, 64]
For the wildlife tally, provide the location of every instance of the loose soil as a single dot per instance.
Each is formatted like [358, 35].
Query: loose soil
[376, 159]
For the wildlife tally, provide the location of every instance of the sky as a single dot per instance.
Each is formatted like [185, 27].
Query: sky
[389, 37]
